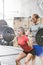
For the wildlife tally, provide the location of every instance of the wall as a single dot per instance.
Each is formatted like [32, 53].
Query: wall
[31, 6]
[19, 8]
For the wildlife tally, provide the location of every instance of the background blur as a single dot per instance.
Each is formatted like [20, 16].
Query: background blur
[19, 8]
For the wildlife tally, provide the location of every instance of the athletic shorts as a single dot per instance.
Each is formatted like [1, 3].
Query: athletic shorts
[38, 50]
[32, 52]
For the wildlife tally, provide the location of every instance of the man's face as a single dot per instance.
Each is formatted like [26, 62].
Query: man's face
[34, 20]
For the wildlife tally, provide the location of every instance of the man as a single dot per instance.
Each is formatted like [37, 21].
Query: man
[33, 30]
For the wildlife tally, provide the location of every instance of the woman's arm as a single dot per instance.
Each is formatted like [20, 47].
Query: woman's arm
[29, 42]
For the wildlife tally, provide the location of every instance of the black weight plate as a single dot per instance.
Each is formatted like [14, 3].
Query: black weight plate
[8, 34]
[39, 37]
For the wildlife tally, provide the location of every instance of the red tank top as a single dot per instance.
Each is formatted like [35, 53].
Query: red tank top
[22, 41]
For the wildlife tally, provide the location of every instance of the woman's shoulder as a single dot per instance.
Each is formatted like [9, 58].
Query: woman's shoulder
[26, 37]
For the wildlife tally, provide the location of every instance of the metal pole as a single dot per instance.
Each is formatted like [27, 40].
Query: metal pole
[3, 9]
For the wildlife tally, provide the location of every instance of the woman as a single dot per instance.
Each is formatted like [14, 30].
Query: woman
[33, 30]
[26, 45]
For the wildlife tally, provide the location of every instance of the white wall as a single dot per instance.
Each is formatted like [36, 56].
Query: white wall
[15, 8]
[1, 9]
[30, 7]
[12, 9]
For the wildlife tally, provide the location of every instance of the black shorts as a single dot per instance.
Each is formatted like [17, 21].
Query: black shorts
[32, 52]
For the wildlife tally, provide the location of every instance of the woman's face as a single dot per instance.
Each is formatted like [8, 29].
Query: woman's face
[34, 20]
[19, 32]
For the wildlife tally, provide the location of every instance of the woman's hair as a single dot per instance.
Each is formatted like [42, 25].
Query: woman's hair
[36, 16]
[22, 29]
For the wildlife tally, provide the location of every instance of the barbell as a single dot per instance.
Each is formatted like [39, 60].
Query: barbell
[8, 34]
[39, 37]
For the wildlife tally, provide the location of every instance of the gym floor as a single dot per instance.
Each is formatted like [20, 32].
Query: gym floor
[8, 55]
